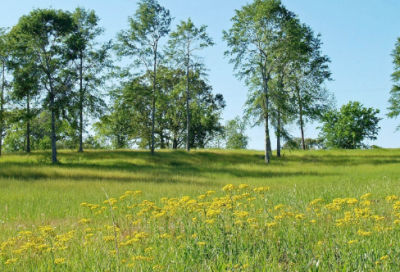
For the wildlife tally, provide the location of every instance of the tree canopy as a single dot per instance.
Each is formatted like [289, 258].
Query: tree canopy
[348, 127]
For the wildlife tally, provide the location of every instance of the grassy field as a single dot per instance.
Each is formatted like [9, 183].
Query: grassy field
[306, 211]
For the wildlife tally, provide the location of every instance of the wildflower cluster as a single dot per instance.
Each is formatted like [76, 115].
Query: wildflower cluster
[237, 229]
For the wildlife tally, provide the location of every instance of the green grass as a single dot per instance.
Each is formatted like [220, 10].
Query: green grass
[34, 193]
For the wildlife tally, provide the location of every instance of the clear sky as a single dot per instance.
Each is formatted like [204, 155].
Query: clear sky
[358, 36]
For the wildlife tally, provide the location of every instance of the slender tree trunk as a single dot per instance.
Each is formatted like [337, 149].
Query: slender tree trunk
[187, 107]
[81, 105]
[154, 103]
[2, 107]
[278, 136]
[53, 130]
[28, 123]
[266, 121]
[303, 145]
[53, 122]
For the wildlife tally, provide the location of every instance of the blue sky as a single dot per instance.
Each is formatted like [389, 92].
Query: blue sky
[358, 36]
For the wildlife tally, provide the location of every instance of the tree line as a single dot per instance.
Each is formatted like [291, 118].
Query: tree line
[57, 78]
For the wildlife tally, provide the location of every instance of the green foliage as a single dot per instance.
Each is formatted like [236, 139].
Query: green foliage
[394, 100]
[311, 144]
[150, 23]
[129, 122]
[235, 134]
[350, 126]
[47, 34]
[183, 42]
[4, 84]
[40, 133]
[93, 59]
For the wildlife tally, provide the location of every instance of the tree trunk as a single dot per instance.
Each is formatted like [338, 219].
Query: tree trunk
[187, 108]
[154, 103]
[266, 121]
[81, 105]
[53, 130]
[53, 123]
[278, 136]
[2, 107]
[303, 145]
[28, 123]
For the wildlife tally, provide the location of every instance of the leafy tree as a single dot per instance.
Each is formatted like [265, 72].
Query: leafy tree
[129, 123]
[394, 101]
[26, 88]
[256, 40]
[307, 77]
[92, 59]
[47, 34]
[4, 84]
[148, 25]
[235, 134]
[350, 126]
[184, 41]
[297, 143]
[40, 133]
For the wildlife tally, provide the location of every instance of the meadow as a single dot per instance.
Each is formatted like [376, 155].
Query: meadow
[207, 210]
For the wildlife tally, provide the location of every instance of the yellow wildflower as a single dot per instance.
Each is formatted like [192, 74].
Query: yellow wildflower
[59, 261]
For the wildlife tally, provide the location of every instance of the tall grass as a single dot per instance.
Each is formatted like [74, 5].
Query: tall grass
[34, 193]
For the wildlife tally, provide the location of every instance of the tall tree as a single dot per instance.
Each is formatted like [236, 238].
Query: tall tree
[184, 41]
[4, 52]
[350, 126]
[148, 25]
[92, 59]
[256, 42]
[47, 33]
[307, 77]
[26, 88]
[394, 101]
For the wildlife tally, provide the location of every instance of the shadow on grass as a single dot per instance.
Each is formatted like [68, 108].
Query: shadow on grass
[198, 167]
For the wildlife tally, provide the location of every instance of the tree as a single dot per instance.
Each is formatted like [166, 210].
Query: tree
[235, 134]
[297, 143]
[256, 40]
[26, 87]
[47, 34]
[92, 59]
[307, 77]
[350, 126]
[394, 100]
[149, 24]
[129, 123]
[184, 41]
[4, 52]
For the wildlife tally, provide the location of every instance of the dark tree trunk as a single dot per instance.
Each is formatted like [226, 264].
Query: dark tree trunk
[278, 135]
[53, 130]
[81, 105]
[303, 145]
[266, 121]
[53, 123]
[28, 123]
[153, 113]
[187, 108]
